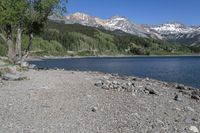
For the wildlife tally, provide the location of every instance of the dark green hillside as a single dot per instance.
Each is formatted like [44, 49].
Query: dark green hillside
[84, 40]
[74, 39]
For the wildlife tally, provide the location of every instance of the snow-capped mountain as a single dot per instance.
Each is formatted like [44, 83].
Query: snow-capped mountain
[175, 31]
[178, 32]
[173, 28]
[114, 23]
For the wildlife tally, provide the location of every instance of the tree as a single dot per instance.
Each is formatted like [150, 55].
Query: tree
[38, 13]
[17, 16]
[11, 12]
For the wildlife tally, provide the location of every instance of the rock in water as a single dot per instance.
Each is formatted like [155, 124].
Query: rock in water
[24, 64]
[11, 77]
[194, 129]
[32, 66]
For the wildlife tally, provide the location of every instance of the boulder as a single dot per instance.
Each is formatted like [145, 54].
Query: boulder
[11, 77]
[2, 63]
[32, 66]
[24, 64]
[12, 69]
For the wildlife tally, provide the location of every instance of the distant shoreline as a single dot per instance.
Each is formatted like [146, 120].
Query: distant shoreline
[33, 58]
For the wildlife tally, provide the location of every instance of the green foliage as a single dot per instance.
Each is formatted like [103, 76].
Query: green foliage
[84, 40]
[3, 48]
[43, 47]
[11, 11]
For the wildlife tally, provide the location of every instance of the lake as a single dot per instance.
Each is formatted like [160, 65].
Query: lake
[179, 69]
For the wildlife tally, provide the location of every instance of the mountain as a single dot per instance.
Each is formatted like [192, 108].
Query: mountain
[113, 23]
[76, 39]
[178, 32]
[173, 31]
[173, 28]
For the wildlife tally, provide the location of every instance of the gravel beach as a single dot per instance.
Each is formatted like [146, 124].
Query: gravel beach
[56, 101]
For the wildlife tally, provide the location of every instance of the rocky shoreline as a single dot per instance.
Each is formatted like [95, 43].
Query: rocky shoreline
[73, 101]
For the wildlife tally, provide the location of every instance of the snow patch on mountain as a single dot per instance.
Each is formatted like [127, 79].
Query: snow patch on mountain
[114, 23]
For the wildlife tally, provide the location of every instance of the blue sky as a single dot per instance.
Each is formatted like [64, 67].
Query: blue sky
[141, 11]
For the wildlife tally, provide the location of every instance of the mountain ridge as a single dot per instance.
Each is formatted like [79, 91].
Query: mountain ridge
[173, 31]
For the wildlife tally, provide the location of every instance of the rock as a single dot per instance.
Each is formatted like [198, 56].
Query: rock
[178, 97]
[190, 120]
[129, 89]
[196, 97]
[99, 83]
[105, 86]
[196, 92]
[2, 63]
[11, 77]
[189, 109]
[32, 66]
[134, 79]
[24, 64]
[12, 69]
[147, 79]
[94, 109]
[151, 91]
[115, 82]
[106, 77]
[130, 84]
[181, 87]
[194, 129]
[115, 86]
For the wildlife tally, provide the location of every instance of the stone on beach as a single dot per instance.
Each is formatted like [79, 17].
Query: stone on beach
[179, 97]
[151, 91]
[11, 77]
[99, 83]
[194, 129]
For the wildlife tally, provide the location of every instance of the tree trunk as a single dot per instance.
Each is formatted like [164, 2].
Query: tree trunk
[29, 44]
[19, 43]
[9, 41]
[30, 41]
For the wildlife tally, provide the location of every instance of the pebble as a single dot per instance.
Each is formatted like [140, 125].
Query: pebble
[94, 109]
[189, 109]
[194, 129]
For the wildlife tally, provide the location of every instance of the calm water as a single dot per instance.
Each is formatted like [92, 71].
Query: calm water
[185, 70]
